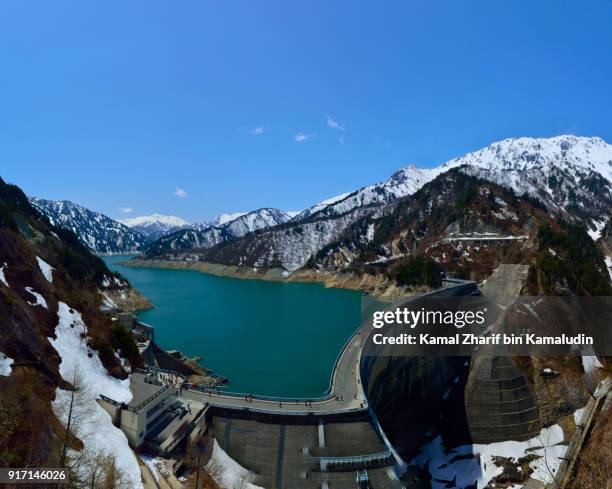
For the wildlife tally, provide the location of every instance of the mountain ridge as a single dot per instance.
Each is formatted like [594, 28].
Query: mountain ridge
[557, 172]
[155, 226]
[98, 232]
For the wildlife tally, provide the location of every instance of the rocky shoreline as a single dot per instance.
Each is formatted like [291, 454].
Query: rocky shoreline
[129, 299]
[378, 285]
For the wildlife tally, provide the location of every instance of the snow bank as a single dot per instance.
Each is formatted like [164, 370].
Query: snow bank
[46, 269]
[107, 301]
[2, 277]
[5, 365]
[226, 472]
[590, 363]
[156, 466]
[96, 430]
[595, 234]
[609, 265]
[40, 300]
[578, 415]
[480, 469]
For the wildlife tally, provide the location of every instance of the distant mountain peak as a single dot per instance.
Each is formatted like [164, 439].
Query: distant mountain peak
[225, 218]
[155, 226]
[224, 228]
[154, 218]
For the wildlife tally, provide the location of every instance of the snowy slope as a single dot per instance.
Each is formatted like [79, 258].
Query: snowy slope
[5, 364]
[225, 218]
[207, 236]
[289, 246]
[96, 231]
[96, 430]
[477, 465]
[155, 225]
[402, 183]
[570, 174]
[573, 154]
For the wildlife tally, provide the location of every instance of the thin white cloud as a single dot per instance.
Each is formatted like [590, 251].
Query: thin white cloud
[341, 139]
[300, 137]
[334, 124]
[259, 130]
[180, 192]
[126, 210]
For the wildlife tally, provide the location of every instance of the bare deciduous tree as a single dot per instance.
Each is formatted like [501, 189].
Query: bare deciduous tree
[91, 467]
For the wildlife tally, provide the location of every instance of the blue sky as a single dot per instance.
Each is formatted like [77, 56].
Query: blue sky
[155, 106]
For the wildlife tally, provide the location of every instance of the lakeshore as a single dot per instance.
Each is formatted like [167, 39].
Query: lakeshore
[378, 285]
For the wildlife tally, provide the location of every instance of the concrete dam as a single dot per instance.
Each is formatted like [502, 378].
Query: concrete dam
[467, 400]
[377, 414]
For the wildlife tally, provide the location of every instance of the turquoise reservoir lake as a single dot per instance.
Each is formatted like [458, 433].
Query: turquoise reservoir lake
[269, 338]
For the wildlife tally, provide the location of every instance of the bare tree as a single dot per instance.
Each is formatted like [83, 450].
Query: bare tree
[548, 463]
[90, 467]
[69, 415]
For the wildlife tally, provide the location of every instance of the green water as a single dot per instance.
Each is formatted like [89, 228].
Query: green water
[268, 338]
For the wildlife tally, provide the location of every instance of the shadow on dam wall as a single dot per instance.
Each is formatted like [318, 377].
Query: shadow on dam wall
[416, 398]
[465, 400]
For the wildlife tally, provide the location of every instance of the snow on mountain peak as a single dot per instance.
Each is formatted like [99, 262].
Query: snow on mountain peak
[402, 183]
[563, 152]
[225, 218]
[154, 218]
[155, 225]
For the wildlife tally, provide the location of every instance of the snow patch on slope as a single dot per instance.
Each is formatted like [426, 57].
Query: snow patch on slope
[46, 269]
[609, 265]
[595, 234]
[2, 277]
[590, 363]
[98, 433]
[480, 469]
[227, 472]
[5, 364]
[40, 300]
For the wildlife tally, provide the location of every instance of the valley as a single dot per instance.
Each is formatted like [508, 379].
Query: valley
[268, 299]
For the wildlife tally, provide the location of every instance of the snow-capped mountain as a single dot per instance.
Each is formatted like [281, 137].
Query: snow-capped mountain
[225, 218]
[225, 228]
[155, 225]
[573, 154]
[571, 176]
[97, 232]
[403, 182]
